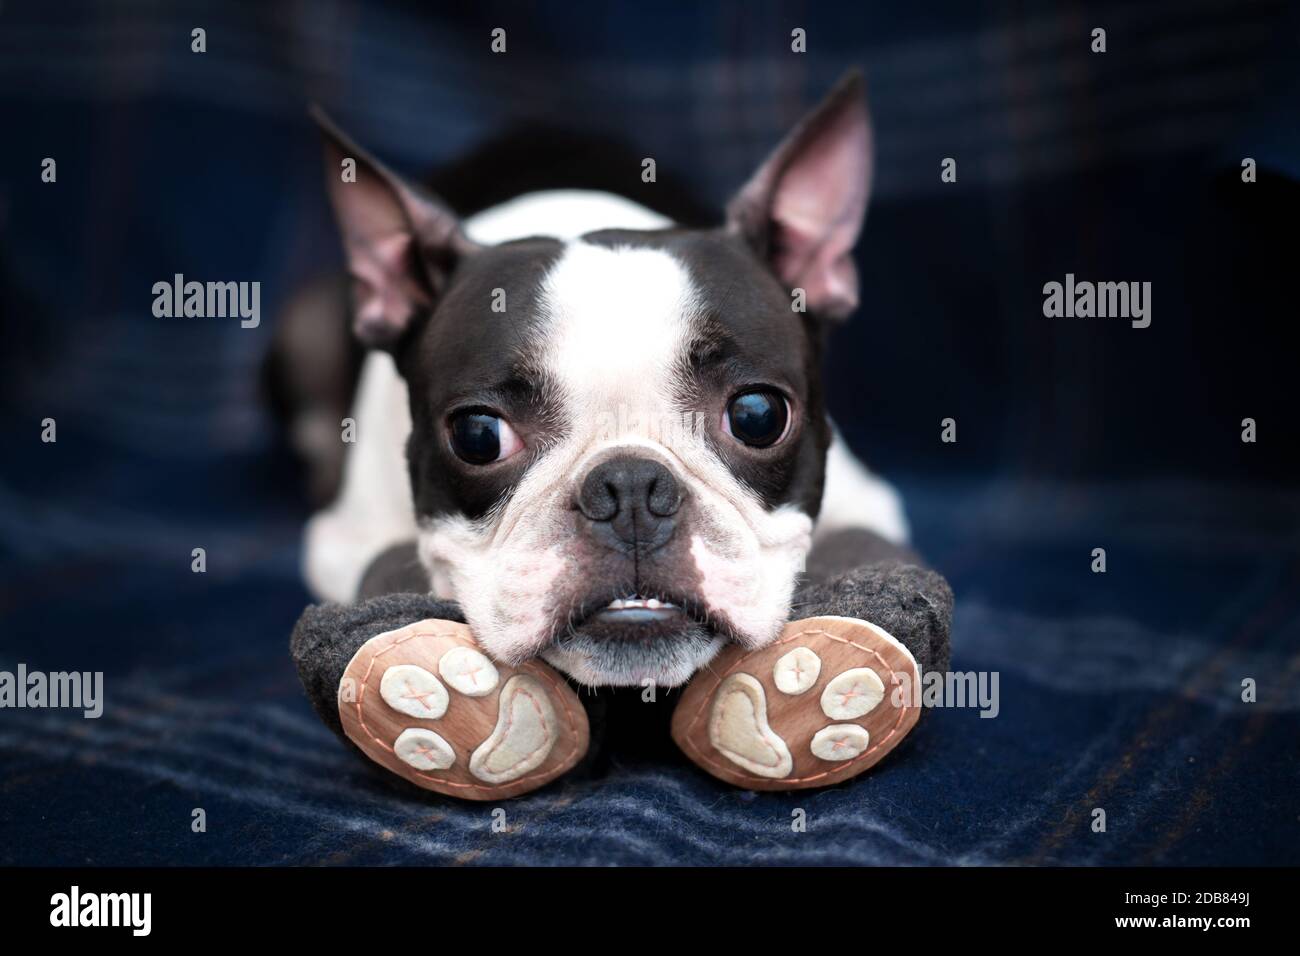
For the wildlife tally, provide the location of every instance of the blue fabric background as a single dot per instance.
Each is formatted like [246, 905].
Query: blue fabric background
[1119, 691]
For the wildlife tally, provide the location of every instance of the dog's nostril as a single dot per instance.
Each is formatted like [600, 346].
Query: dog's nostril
[664, 497]
[598, 500]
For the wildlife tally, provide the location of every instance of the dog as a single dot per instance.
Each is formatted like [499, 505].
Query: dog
[606, 432]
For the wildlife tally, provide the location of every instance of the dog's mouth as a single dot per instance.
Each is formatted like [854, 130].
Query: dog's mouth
[638, 616]
[638, 610]
[628, 638]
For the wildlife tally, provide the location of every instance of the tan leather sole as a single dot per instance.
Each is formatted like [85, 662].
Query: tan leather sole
[820, 705]
[424, 702]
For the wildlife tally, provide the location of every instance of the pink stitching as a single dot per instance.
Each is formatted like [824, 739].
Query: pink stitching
[424, 751]
[416, 696]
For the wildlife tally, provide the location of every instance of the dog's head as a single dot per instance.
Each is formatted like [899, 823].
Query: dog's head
[619, 442]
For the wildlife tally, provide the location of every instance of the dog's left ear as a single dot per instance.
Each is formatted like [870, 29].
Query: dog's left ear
[401, 243]
[804, 207]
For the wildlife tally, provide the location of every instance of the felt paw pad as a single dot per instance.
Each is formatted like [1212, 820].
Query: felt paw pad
[424, 702]
[812, 709]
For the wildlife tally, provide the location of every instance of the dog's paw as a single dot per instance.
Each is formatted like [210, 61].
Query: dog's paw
[426, 703]
[816, 707]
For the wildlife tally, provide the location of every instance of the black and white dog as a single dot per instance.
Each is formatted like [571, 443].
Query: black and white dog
[605, 432]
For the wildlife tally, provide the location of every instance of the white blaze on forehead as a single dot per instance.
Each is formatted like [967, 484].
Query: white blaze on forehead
[619, 321]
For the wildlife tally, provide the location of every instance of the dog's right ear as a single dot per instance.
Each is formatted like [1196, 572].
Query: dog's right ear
[401, 244]
[802, 211]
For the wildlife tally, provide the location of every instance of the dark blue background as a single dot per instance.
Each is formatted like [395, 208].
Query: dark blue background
[1119, 691]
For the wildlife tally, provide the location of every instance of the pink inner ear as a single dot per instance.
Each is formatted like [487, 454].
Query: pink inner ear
[387, 228]
[817, 210]
[383, 290]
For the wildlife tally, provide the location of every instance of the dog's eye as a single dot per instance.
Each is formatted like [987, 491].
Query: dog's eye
[481, 438]
[758, 418]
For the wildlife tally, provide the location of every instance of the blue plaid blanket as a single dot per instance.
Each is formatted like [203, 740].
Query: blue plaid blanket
[1120, 691]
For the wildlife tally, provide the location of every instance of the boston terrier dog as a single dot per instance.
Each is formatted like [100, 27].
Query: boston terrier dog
[602, 436]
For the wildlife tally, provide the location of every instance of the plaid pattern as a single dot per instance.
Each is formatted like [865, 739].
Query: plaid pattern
[1119, 691]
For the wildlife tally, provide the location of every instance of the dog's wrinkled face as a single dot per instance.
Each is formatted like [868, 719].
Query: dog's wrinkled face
[618, 442]
[645, 404]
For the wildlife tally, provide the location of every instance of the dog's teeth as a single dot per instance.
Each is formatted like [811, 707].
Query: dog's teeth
[649, 604]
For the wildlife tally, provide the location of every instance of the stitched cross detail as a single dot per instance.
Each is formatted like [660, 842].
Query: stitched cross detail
[413, 694]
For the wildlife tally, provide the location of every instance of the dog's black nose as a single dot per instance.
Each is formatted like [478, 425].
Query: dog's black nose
[630, 503]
